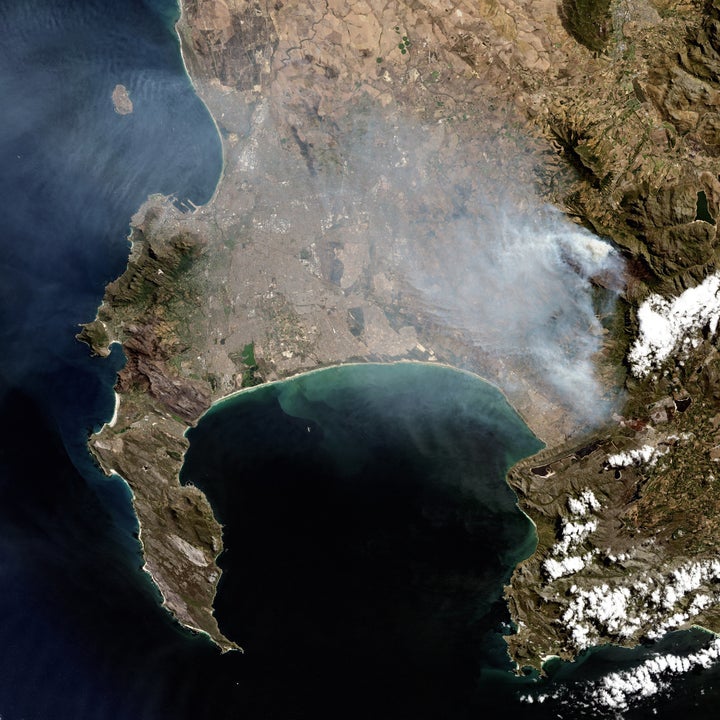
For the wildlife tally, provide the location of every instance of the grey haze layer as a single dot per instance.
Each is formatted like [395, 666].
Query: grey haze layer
[518, 283]
[465, 236]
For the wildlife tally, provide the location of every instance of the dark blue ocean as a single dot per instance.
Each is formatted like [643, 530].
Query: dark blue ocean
[365, 561]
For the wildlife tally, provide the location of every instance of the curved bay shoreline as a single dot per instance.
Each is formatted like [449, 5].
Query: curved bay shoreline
[173, 300]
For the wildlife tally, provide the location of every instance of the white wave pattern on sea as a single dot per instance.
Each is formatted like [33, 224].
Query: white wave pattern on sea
[618, 692]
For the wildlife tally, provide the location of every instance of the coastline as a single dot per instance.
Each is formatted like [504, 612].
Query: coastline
[224, 647]
[178, 26]
[278, 311]
[529, 544]
[113, 419]
[181, 29]
[243, 391]
[354, 363]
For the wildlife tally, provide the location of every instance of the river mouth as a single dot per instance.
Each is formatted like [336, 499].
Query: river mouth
[369, 531]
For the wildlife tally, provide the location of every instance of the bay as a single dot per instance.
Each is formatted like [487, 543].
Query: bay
[369, 533]
[82, 632]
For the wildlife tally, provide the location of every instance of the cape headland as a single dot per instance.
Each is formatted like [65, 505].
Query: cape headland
[361, 139]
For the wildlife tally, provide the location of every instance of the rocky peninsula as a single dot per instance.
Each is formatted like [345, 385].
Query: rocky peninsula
[357, 137]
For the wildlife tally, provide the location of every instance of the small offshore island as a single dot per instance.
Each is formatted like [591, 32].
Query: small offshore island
[371, 153]
[122, 103]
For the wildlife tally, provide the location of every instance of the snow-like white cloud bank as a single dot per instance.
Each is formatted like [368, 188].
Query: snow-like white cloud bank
[667, 326]
[645, 606]
[518, 285]
[566, 565]
[585, 503]
[572, 534]
[645, 455]
[618, 692]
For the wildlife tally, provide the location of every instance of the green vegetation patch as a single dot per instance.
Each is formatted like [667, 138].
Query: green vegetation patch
[251, 373]
[247, 354]
[587, 21]
[160, 275]
[94, 335]
[404, 44]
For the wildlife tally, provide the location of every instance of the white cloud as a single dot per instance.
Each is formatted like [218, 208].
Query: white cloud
[645, 455]
[619, 691]
[669, 325]
[585, 503]
[644, 607]
[573, 534]
[566, 566]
